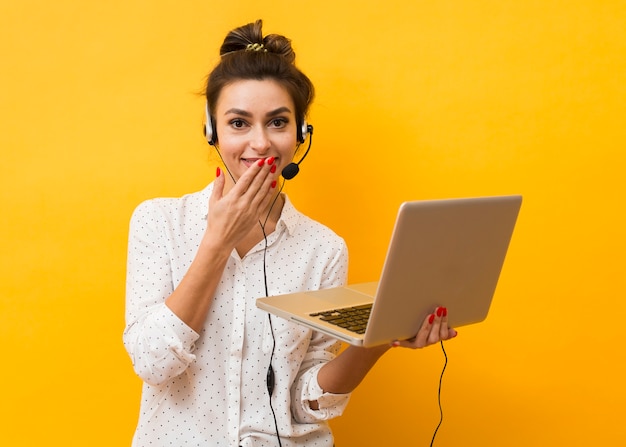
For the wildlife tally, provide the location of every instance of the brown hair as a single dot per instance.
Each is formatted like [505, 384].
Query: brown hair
[275, 61]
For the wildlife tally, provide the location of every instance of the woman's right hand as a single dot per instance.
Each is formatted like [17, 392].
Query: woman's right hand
[234, 214]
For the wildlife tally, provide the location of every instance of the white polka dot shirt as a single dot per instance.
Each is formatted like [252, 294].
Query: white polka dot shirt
[209, 389]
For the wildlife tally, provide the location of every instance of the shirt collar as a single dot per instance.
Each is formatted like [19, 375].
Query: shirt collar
[289, 217]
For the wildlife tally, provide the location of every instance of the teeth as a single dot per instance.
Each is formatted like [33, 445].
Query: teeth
[250, 161]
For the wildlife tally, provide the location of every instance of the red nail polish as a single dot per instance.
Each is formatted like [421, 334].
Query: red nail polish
[270, 160]
[261, 162]
[273, 169]
[274, 184]
[445, 312]
[218, 171]
[431, 318]
[439, 311]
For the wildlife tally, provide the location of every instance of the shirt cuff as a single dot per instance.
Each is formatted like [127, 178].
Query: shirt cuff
[329, 405]
[169, 320]
[181, 337]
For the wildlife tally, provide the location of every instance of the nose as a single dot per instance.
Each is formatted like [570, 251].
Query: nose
[260, 140]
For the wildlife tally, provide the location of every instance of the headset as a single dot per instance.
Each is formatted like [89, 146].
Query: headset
[289, 171]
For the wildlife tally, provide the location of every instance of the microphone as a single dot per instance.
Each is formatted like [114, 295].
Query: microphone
[292, 169]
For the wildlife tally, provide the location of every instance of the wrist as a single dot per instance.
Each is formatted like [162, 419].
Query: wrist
[214, 246]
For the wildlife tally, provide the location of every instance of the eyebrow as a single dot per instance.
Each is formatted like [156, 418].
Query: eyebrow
[271, 113]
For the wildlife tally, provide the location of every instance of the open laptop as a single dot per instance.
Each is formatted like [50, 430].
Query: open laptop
[442, 253]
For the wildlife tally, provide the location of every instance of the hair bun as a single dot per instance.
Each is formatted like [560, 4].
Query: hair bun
[277, 44]
[250, 37]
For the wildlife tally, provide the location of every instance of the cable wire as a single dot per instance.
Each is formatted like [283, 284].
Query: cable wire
[270, 370]
[432, 441]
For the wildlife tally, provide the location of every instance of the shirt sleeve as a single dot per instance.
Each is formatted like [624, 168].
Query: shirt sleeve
[307, 389]
[322, 349]
[160, 345]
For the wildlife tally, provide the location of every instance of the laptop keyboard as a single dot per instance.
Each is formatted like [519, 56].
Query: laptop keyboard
[351, 318]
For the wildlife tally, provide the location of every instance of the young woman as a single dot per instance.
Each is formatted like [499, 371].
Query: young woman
[218, 371]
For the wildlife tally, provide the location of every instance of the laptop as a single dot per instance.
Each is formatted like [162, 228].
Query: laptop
[446, 253]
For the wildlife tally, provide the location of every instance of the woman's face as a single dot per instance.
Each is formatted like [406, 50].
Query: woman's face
[255, 120]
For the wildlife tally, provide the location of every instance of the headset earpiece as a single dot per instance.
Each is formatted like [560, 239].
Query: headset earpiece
[209, 128]
[303, 131]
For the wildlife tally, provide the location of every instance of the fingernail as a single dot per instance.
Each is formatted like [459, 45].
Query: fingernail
[395, 344]
[218, 171]
[261, 162]
[439, 311]
[273, 168]
[431, 318]
[274, 184]
[270, 160]
[445, 312]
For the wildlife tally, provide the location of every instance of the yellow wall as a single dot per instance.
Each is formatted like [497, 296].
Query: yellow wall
[421, 99]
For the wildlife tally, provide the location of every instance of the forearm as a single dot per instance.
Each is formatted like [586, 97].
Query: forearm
[191, 300]
[346, 371]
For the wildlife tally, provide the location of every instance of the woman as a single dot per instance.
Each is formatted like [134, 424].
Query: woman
[218, 371]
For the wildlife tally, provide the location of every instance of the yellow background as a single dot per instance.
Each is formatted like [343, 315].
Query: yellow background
[416, 100]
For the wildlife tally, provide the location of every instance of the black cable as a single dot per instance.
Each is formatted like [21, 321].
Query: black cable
[217, 149]
[432, 441]
[265, 236]
[270, 380]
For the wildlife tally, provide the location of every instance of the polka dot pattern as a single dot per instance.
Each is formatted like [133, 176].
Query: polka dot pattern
[209, 388]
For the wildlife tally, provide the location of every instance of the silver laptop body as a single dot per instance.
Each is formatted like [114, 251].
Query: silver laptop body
[446, 253]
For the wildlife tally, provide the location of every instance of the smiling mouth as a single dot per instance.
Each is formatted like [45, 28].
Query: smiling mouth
[250, 161]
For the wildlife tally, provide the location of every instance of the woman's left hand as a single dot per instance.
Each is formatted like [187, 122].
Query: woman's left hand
[434, 329]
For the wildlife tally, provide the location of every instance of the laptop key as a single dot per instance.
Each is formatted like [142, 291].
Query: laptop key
[351, 318]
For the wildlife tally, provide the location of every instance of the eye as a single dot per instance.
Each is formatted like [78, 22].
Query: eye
[279, 123]
[237, 123]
